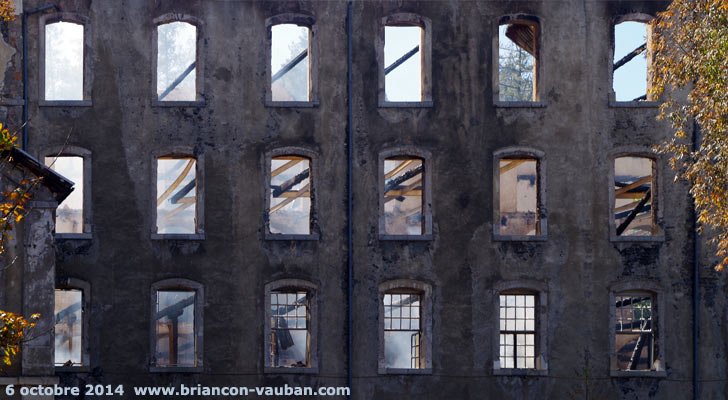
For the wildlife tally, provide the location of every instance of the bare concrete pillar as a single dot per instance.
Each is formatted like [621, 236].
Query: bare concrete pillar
[39, 288]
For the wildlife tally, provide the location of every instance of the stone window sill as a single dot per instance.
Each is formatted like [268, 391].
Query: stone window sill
[637, 239]
[520, 372]
[291, 370]
[178, 236]
[190, 103]
[406, 104]
[638, 374]
[74, 236]
[410, 238]
[519, 238]
[65, 103]
[292, 104]
[405, 371]
[518, 104]
[281, 236]
[634, 104]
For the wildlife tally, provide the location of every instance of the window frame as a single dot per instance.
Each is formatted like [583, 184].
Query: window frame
[426, 317]
[540, 157]
[538, 71]
[181, 152]
[314, 232]
[406, 19]
[540, 291]
[311, 290]
[656, 196]
[69, 283]
[88, 58]
[658, 308]
[646, 19]
[76, 151]
[199, 60]
[313, 53]
[427, 212]
[185, 285]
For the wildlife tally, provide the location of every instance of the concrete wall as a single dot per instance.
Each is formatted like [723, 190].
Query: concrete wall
[577, 130]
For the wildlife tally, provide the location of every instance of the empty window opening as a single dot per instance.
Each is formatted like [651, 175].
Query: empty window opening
[517, 61]
[289, 329]
[177, 203]
[290, 63]
[629, 79]
[402, 331]
[635, 337]
[403, 188]
[518, 190]
[290, 195]
[633, 196]
[175, 329]
[403, 63]
[69, 214]
[63, 61]
[518, 331]
[176, 62]
[68, 327]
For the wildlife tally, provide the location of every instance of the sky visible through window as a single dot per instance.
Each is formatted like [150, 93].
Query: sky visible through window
[630, 80]
[288, 41]
[63, 61]
[403, 83]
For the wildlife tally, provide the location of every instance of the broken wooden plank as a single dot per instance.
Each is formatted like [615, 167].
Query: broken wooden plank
[634, 53]
[640, 182]
[398, 168]
[283, 168]
[512, 164]
[290, 199]
[401, 60]
[291, 64]
[623, 226]
[176, 182]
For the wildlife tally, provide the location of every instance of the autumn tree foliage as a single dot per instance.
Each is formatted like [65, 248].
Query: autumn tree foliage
[7, 10]
[12, 208]
[691, 56]
[12, 331]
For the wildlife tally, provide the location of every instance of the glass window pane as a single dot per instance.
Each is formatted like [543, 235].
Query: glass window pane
[403, 63]
[68, 327]
[290, 196]
[290, 66]
[289, 335]
[175, 328]
[177, 195]
[64, 61]
[69, 214]
[518, 189]
[398, 350]
[289, 347]
[176, 62]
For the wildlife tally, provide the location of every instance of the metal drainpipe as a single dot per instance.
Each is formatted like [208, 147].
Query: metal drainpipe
[696, 285]
[25, 68]
[349, 213]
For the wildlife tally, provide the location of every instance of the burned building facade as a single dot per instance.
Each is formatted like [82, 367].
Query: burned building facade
[426, 199]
